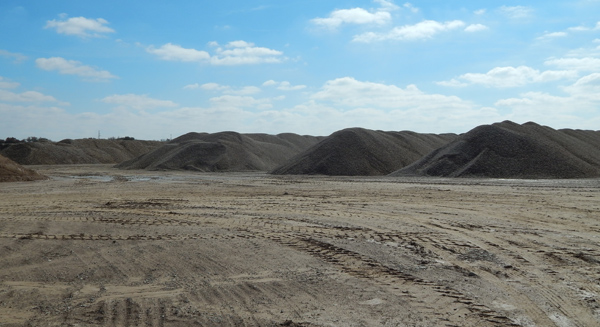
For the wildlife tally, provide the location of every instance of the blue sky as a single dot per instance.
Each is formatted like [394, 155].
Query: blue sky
[156, 69]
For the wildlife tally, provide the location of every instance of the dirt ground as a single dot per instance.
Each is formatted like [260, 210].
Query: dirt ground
[96, 246]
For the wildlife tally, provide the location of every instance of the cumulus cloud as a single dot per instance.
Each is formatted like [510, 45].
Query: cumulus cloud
[552, 35]
[284, 86]
[233, 53]
[578, 107]
[353, 16]
[245, 53]
[410, 7]
[516, 12]
[358, 16]
[509, 77]
[7, 84]
[80, 26]
[387, 5]
[174, 52]
[138, 102]
[584, 28]
[72, 67]
[27, 96]
[587, 87]
[215, 87]
[349, 92]
[424, 30]
[578, 64]
[476, 28]
[238, 101]
[17, 57]
[569, 31]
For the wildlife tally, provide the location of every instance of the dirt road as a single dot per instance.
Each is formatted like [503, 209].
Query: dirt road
[95, 246]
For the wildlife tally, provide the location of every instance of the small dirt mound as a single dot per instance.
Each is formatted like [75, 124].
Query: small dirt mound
[11, 171]
[362, 152]
[510, 150]
[225, 151]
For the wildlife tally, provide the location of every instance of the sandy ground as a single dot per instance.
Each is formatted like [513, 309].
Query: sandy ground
[95, 246]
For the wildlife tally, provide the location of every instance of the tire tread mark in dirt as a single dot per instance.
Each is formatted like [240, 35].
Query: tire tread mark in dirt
[359, 266]
[516, 250]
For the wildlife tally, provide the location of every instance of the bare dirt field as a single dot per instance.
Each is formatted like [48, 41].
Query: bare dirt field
[96, 246]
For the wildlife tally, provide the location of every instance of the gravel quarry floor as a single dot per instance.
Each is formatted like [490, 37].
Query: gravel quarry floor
[97, 246]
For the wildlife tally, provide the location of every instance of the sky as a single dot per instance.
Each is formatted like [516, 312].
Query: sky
[155, 69]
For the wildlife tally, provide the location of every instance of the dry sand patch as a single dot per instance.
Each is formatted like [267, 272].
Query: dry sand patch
[180, 249]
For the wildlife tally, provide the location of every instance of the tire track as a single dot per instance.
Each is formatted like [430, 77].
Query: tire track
[447, 305]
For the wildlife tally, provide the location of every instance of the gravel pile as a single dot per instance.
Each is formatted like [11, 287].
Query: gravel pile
[81, 151]
[363, 152]
[510, 150]
[225, 151]
[11, 171]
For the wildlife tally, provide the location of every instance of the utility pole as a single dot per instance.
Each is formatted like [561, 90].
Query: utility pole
[98, 134]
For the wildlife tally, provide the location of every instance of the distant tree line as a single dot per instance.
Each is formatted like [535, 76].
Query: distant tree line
[31, 139]
[27, 140]
[126, 138]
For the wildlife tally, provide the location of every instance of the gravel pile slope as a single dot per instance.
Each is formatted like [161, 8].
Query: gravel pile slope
[510, 150]
[11, 171]
[81, 151]
[362, 152]
[225, 151]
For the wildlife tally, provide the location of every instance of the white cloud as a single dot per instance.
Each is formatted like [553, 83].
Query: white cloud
[584, 28]
[578, 64]
[138, 102]
[215, 87]
[516, 12]
[247, 90]
[480, 11]
[452, 83]
[207, 87]
[173, 52]
[284, 86]
[237, 101]
[552, 35]
[81, 26]
[576, 110]
[587, 87]
[244, 53]
[16, 56]
[410, 7]
[72, 67]
[353, 16]
[387, 5]
[510, 77]
[234, 53]
[358, 16]
[423, 30]
[27, 96]
[349, 92]
[476, 28]
[239, 44]
[7, 84]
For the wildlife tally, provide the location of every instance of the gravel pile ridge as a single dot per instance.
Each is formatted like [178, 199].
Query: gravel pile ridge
[80, 151]
[362, 152]
[224, 151]
[510, 150]
[11, 171]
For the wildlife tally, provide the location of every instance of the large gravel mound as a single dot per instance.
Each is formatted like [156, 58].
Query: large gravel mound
[81, 151]
[363, 152]
[225, 151]
[509, 150]
[11, 171]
